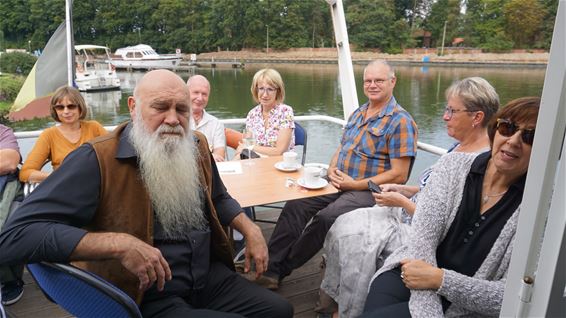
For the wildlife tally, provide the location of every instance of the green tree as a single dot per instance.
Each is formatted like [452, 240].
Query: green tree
[543, 41]
[523, 21]
[372, 24]
[14, 22]
[484, 25]
[444, 11]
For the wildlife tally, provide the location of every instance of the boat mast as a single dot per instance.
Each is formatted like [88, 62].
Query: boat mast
[345, 68]
[70, 45]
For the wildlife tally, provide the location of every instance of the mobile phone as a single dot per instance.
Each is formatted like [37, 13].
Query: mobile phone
[373, 187]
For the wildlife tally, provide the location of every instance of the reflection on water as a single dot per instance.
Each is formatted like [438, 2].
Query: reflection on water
[102, 103]
[314, 89]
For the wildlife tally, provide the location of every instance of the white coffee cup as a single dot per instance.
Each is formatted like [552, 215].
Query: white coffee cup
[290, 159]
[311, 175]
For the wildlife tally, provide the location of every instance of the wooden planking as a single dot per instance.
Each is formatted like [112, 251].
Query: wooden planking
[34, 303]
[300, 288]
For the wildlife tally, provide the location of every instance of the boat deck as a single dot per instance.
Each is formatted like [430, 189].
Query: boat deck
[300, 288]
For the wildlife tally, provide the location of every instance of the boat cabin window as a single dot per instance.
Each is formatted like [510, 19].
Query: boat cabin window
[130, 54]
[138, 54]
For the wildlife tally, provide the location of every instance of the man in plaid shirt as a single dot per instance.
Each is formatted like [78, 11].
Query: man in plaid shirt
[379, 143]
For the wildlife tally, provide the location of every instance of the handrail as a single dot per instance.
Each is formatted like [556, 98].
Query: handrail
[421, 145]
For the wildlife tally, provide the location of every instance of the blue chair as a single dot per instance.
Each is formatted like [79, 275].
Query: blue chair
[300, 140]
[81, 293]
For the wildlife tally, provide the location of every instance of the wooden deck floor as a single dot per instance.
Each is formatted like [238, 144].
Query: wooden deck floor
[300, 288]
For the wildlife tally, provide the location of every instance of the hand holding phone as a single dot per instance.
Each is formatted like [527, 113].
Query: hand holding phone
[373, 187]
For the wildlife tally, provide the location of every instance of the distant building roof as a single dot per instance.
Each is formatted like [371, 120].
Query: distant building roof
[457, 41]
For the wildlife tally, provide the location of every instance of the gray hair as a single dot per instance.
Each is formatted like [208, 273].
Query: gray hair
[477, 95]
[391, 72]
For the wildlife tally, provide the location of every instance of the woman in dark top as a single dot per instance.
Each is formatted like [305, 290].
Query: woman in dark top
[458, 254]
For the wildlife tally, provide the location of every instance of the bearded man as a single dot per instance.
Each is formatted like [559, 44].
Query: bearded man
[145, 208]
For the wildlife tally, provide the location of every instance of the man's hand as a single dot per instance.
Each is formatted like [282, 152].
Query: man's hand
[144, 261]
[418, 274]
[341, 181]
[256, 247]
[138, 257]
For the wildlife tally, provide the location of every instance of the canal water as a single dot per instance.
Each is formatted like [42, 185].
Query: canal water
[313, 89]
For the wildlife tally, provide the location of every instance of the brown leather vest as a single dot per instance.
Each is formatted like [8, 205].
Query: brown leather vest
[124, 206]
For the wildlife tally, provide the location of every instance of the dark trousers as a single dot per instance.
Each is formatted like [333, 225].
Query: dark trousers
[226, 294]
[388, 296]
[11, 273]
[302, 227]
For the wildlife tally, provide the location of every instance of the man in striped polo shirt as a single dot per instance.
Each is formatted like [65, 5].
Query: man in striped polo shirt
[378, 144]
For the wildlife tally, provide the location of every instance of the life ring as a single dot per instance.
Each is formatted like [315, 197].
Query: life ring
[233, 137]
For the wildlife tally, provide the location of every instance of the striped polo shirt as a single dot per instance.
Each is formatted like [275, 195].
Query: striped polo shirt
[367, 146]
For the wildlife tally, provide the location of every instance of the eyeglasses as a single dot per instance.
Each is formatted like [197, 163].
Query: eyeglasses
[379, 82]
[268, 90]
[62, 107]
[449, 111]
[507, 128]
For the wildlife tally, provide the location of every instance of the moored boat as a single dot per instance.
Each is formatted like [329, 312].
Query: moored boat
[143, 57]
[93, 69]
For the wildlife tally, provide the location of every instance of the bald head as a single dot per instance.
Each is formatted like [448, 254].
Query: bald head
[161, 97]
[381, 64]
[157, 80]
[199, 91]
[198, 80]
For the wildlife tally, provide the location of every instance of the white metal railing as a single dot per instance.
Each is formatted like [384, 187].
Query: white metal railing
[421, 145]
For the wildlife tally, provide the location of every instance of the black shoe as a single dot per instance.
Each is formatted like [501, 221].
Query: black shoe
[12, 292]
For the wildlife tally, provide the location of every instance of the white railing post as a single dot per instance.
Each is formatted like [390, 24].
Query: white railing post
[534, 279]
[346, 70]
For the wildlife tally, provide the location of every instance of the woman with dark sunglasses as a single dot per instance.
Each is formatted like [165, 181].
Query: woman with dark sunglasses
[456, 260]
[68, 108]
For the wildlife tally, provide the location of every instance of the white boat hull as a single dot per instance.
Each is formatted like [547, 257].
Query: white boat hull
[145, 64]
[97, 81]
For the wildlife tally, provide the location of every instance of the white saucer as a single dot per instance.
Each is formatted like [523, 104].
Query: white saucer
[282, 167]
[321, 184]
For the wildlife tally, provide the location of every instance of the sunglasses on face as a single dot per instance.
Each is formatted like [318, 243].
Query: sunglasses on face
[62, 107]
[507, 128]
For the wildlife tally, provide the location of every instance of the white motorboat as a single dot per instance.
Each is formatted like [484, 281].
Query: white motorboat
[93, 69]
[144, 57]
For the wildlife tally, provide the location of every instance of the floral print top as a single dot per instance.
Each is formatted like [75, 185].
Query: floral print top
[281, 116]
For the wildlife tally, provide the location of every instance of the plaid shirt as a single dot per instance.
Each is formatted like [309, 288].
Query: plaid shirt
[367, 147]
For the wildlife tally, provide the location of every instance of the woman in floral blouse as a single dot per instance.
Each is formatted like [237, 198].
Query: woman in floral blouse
[271, 121]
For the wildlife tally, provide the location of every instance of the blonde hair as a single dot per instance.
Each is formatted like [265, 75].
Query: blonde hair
[271, 77]
[73, 95]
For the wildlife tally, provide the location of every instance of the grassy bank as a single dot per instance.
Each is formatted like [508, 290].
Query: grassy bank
[10, 85]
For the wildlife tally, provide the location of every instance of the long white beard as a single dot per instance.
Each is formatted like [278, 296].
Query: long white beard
[169, 169]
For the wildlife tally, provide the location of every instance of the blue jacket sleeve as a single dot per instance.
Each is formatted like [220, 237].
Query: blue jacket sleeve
[47, 226]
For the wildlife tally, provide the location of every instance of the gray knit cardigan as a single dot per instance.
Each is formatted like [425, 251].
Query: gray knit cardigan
[480, 295]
